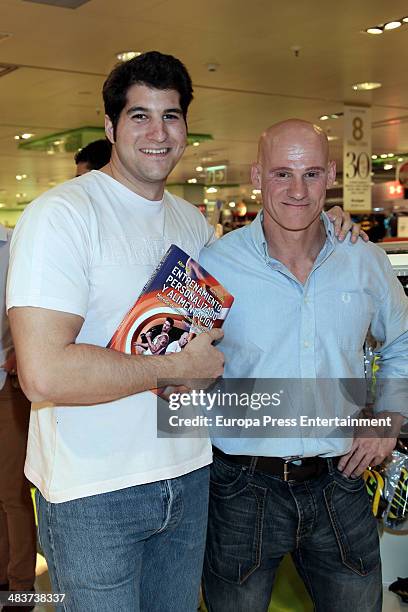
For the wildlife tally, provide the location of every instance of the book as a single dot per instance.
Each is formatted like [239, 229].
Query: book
[180, 300]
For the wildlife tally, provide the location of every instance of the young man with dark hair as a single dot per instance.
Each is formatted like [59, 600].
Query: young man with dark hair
[122, 514]
[93, 156]
[155, 70]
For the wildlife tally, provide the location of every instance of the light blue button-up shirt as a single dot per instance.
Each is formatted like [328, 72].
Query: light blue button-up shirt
[281, 328]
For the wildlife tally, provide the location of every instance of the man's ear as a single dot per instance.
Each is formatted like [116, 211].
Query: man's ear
[256, 175]
[109, 131]
[331, 174]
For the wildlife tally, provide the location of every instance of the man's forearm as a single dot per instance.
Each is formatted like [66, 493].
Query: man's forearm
[395, 419]
[88, 374]
[54, 367]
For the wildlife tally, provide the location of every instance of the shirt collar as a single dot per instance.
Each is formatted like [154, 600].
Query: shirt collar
[259, 240]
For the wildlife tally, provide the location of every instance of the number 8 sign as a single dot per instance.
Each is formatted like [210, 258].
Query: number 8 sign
[357, 159]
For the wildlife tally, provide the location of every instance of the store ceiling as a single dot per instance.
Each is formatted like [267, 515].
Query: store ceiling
[63, 55]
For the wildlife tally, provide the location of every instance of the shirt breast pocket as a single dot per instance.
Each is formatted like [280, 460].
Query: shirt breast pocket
[353, 312]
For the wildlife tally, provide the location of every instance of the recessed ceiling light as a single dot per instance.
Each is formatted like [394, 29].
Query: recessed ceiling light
[20, 177]
[374, 156]
[388, 166]
[124, 56]
[392, 25]
[211, 190]
[366, 86]
[192, 180]
[199, 168]
[390, 154]
[383, 155]
[400, 159]
[375, 30]
[196, 144]
[24, 136]
[324, 117]
[405, 19]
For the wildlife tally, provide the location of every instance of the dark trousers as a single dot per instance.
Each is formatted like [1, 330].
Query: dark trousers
[17, 525]
[325, 523]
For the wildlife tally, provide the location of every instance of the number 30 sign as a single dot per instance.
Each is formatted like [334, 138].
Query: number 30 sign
[357, 159]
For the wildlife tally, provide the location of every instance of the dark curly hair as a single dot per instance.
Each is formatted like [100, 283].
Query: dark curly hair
[153, 69]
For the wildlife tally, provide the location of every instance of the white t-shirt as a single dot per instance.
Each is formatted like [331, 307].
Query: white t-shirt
[88, 247]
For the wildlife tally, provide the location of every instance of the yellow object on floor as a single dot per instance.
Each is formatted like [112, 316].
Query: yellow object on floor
[33, 490]
[289, 592]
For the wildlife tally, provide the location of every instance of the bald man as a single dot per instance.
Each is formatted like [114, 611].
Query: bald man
[303, 305]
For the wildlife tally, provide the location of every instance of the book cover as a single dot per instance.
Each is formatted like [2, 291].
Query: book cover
[179, 301]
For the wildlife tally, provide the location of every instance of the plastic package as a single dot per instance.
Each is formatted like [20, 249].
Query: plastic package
[387, 487]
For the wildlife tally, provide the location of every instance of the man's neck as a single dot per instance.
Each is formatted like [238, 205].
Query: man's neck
[296, 250]
[153, 191]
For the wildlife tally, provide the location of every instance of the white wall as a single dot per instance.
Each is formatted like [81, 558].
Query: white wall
[394, 556]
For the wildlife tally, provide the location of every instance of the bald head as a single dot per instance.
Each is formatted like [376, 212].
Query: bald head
[296, 132]
[293, 172]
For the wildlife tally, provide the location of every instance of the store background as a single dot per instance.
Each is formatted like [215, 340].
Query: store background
[252, 64]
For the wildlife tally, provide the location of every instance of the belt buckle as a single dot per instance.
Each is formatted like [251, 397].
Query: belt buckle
[286, 471]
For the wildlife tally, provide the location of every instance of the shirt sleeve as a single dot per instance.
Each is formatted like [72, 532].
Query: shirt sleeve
[49, 258]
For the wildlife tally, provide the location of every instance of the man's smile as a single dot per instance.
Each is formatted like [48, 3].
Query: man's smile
[156, 152]
[295, 205]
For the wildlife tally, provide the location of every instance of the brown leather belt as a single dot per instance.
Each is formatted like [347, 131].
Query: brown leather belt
[292, 469]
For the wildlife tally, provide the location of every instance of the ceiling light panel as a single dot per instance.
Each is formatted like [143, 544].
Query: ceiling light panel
[392, 25]
[389, 25]
[375, 30]
[366, 86]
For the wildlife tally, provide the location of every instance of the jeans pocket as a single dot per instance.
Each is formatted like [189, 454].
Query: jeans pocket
[227, 480]
[347, 483]
[353, 523]
[234, 535]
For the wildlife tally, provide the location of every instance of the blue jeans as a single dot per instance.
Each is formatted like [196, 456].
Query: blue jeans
[325, 523]
[136, 549]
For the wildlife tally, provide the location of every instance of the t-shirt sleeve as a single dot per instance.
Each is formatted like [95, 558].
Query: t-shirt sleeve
[50, 258]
